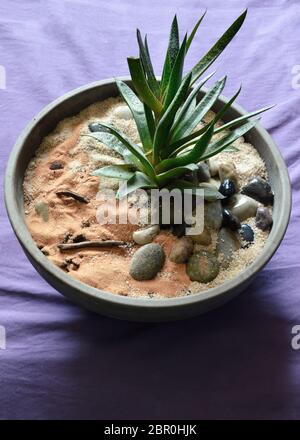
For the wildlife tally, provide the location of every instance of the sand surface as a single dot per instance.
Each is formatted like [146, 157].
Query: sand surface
[107, 269]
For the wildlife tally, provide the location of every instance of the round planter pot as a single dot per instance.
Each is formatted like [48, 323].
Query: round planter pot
[142, 309]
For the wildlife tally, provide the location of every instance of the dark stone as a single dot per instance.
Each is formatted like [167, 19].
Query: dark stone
[95, 126]
[230, 220]
[263, 219]
[56, 165]
[246, 234]
[260, 190]
[79, 238]
[202, 174]
[227, 188]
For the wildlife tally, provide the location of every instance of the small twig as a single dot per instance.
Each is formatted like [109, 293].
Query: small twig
[74, 195]
[90, 244]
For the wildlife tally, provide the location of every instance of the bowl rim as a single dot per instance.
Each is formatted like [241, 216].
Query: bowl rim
[22, 232]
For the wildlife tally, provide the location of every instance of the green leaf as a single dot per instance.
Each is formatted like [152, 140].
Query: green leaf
[211, 193]
[226, 141]
[193, 33]
[188, 107]
[174, 173]
[188, 125]
[150, 121]
[138, 180]
[176, 75]
[141, 85]
[121, 172]
[138, 113]
[147, 64]
[191, 157]
[163, 128]
[217, 48]
[129, 145]
[242, 119]
[171, 54]
[186, 141]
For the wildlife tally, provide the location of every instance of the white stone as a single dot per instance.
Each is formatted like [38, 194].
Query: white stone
[145, 236]
[123, 112]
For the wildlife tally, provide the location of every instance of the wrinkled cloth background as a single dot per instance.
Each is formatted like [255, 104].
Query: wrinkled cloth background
[64, 362]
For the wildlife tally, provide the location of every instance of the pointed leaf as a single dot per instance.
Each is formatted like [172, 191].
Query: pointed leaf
[138, 180]
[150, 121]
[188, 125]
[217, 48]
[129, 145]
[138, 113]
[171, 54]
[191, 157]
[176, 75]
[162, 130]
[141, 85]
[147, 64]
[121, 172]
[193, 33]
[226, 141]
[174, 173]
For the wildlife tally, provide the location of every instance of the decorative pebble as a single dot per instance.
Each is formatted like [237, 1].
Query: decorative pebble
[213, 216]
[79, 238]
[246, 234]
[203, 173]
[144, 236]
[181, 250]
[96, 126]
[147, 262]
[56, 165]
[259, 189]
[227, 244]
[42, 210]
[243, 206]
[227, 170]
[227, 188]
[202, 267]
[263, 219]
[204, 238]
[123, 112]
[230, 220]
[213, 166]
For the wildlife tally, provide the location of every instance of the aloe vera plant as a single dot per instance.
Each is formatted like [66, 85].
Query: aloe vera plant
[167, 114]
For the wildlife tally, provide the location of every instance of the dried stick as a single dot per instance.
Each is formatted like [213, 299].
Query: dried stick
[90, 244]
[74, 195]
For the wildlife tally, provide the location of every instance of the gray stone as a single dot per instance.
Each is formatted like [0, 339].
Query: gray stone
[123, 112]
[203, 173]
[263, 219]
[202, 267]
[243, 206]
[181, 250]
[204, 238]
[42, 210]
[147, 262]
[144, 236]
[227, 244]
[259, 189]
[213, 216]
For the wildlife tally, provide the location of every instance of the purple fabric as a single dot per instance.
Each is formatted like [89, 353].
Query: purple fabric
[64, 362]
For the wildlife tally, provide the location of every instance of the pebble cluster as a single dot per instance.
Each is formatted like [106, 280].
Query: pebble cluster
[226, 217]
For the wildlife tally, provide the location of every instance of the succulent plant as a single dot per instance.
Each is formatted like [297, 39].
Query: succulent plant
[167, 114]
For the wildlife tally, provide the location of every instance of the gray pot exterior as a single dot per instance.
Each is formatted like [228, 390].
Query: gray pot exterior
[142, 309]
